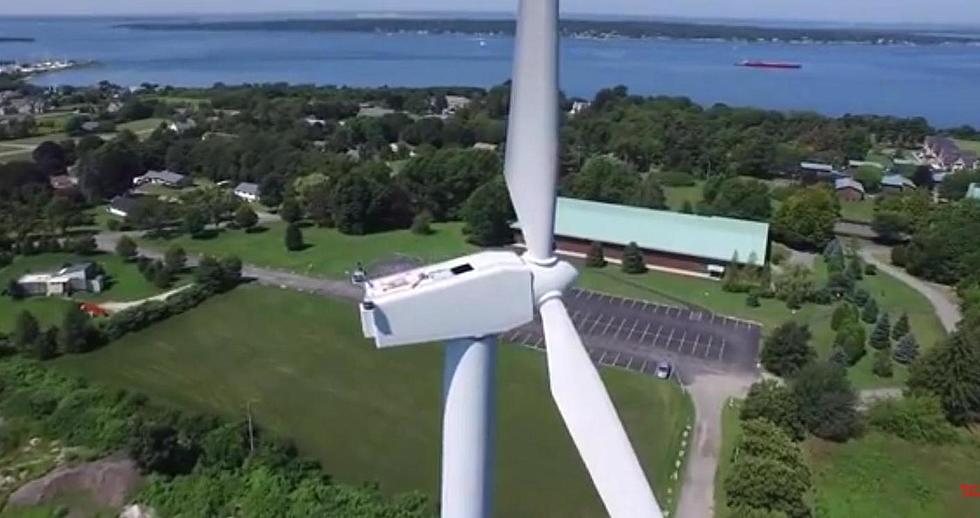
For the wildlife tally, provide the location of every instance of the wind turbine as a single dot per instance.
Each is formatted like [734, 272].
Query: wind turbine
[470, 300]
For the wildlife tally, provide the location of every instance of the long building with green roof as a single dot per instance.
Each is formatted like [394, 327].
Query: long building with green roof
[687, 243]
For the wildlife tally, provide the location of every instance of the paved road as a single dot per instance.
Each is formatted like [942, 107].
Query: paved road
[106, 241]
[946, 309]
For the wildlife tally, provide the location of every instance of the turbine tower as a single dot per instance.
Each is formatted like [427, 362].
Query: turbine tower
[470, 300]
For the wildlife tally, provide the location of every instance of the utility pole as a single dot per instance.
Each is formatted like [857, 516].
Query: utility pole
[251, 428]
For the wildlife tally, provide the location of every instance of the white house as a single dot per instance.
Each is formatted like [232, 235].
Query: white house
[64, 281]
[579, 107]
[182, 126]
[247, 191]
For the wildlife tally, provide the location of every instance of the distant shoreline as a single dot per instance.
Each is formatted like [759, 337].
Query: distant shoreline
[7, 39]
[571, 28]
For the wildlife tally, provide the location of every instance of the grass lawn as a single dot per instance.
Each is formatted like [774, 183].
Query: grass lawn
[329, 253]
[968, 145]
[676, 196]
[125, 284]
[18, 156]
[139, 127]
[860, 211]
[731, 432]
[884, 476]
[373, 415]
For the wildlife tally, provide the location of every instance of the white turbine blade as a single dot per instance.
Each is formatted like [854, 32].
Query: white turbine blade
[592, 420]
[531, 164]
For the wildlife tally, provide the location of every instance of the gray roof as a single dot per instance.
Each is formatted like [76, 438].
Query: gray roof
[165, 176]
[248, 188]
[897, 180]
[123, 203]
[848, 183]
[814, 166]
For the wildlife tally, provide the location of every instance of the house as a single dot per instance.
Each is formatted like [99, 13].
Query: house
[813, 172]
[454, 103]
[681, 243]
[63, 182]
[849, 189]
[91, 126]
[166, 178]
[66, 280]
[484, 146]
[247, 191]
[121, 206]
[943, 153]
[182, 126]
[313, 121]
[579, 107]
[374, 112]
[894, 183]
[114, 107]
[973, 191]
[966, 161]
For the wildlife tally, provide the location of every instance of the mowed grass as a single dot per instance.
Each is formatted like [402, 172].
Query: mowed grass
[140, 127]
[329, 253]
[372, 415]
[968, 145]
[125, 283]
[676, 196]
[881, 476]
[859, 211]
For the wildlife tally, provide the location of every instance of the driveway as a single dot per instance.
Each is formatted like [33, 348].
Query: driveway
[944, 302]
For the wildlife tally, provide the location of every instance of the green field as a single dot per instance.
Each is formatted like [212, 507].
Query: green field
[731, 433]
[330, 253]
[859, 211]
[139, 127]
[968, 145]
[676, 196]
[374, 415]
[887, 477]
[125, 284]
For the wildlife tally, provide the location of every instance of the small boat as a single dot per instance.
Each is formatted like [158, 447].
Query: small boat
[770, 64]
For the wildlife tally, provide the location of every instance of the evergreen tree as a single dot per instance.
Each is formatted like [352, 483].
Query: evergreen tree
[163, 277]
[843, 314]
[838, 357]
[880, 336]
[596, 257]
[827, 401]
[732, 280]
[852, 339]
[856, 268]
[951, 371]
[870, 312]
[907, 349]
[126, 248]
[85, 245]
[75, 333]
[246, 218]
[752, 300]
[901, 327]
[291, 211]
[46, 346]
[774, 402]
[175, 259]
[487, 214]
[633, 261]
[422, 223]
[26, 331]
[883, 364]
[687, 207]
[861, 297]
[787, 349]
[294, 238]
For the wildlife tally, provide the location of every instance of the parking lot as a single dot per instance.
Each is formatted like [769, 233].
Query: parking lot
[634, 334]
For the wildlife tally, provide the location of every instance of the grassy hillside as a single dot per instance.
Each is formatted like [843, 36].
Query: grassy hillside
[374, 415]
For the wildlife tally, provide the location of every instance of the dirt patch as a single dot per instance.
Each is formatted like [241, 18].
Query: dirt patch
[107, 483]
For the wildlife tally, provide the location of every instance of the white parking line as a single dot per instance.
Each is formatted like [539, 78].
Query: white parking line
[644, 367]
[597, 320]
[632, 303]
[575, 314]
[536, 344]
[584, 320]
[602, 357]
[630, 335]
[622, 325]
[697, 341]
[606, 329]
[644, 335]
[721, 351]
[654, 342]
[683, 339]
[669, 338]
[630, 364]
[578, 293]
[590, 295]
[616, 361]
[622, 302]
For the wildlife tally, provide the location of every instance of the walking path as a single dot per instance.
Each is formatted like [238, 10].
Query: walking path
[944, 302]
[115, 307]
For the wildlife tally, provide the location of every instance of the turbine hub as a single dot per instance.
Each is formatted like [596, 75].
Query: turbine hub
[549, 278]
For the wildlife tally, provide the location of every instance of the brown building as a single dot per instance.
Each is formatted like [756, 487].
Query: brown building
[849, 189]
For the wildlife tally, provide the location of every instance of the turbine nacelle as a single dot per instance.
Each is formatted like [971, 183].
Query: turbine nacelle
[477, 295]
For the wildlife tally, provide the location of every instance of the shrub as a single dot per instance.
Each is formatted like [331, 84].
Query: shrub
[175, 259]
[752, 300]
[126, 248]
[883, 364]
[422, 223]
[633, 260]
[906, 350]
[84, 245]
[852, 339]
[900, 255]
[902, 327]
[787, 349]
[880, 338]
[294, 238]
[827, 401]
[870, 312]
[776, 403]
[779, 254]
[675, 179]
[871, 269]
[844, 313]
[113, 225]
[6, 258]
[596, 257]
[914, 418]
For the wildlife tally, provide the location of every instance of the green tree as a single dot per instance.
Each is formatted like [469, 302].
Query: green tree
[126, 248]
[743, 199]
[84, 245]
[843, 314]
[175, 259]
[951, 372]
[231, 271]
[883, 364]
[633, 260]
[26, 331]
[605, 179]
[838, 357]
[194, 222]
[880, 336]
[870, 311]
[907, 349]
[209, 274]
[271, 190]
[291, 211]
[769, 472]
[294, 238]
[774, 402]
[75, 334]
[487, 214]
[787, 349]
[246, 218]
[422, 224]
[806, 219]
[827, 401]
[852, 339]
[649, 194]
[794, 285]
[596, 257]
[46, 346]
[901, 327]
[687, 207]
[163, 277]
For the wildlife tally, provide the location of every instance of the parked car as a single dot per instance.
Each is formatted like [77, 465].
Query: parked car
[664, 370]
